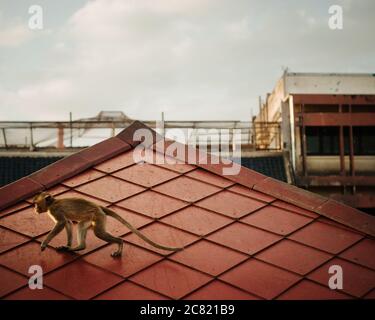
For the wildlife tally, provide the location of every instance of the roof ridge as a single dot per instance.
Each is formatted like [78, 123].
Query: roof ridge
[125, 140]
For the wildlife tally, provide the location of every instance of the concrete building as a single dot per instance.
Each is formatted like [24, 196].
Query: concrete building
[328, 128]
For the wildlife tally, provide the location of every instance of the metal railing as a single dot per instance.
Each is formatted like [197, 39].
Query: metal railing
[82, 133]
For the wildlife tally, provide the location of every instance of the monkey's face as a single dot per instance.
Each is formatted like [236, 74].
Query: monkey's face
[42, 202]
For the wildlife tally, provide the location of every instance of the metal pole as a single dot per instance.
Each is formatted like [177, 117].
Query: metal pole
[60, 137]
[5, 139]
[304, 144]
[162, 124]
[341, 144]
[113, 130]
[71, 129]
[351, 147]
[31, 137]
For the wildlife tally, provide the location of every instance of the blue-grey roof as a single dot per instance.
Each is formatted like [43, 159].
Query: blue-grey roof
[14, 168]
[272, 166]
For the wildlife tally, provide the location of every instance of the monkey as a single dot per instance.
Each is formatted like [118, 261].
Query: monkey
[88, 214]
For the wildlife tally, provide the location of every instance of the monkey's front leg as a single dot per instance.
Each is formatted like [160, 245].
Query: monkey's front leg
[69, 235]
[56, 230]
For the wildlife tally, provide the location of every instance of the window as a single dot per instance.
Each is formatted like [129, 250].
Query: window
[363, 140]
[312, 140]
[312, 108]
[325, 140]
[369, 108]
[322, 140]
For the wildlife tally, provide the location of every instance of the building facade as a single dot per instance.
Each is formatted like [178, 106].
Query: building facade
[328, 128]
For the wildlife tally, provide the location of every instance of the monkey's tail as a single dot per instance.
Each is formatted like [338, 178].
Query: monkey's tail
[113, 214]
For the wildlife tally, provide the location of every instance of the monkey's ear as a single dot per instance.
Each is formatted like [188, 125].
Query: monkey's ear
[35, 198]
[48, 198]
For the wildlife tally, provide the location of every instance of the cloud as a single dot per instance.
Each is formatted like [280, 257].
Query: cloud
[15, 35]
[206, 59]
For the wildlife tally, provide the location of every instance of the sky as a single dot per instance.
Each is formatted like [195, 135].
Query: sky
[191, 59]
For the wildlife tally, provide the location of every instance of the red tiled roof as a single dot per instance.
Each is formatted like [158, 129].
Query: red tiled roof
[246, 236]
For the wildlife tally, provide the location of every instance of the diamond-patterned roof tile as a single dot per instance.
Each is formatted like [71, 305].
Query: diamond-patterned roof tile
[206, 176]
[276, 220]
[167, 162]
[294, 256]
[17, 207]
[110, 189]
[201, 254]
[308, 290]
[10, 239]
[164, 235]
[133, 260]
[10, 281]
[28, 294]
[28, 222]
[152, 204]
[230, 204]
[357, 280]
[197, 220]
[21, 258]
[76, 280]
[245, 236]
[119, 162]
[145, 174]
[187, 189]
[84, 177]
[130, 291]
[359, 253]
[171, 279]
[260, 278]
[74, 194]
[217, 290]
[251, 193]
[320, 235]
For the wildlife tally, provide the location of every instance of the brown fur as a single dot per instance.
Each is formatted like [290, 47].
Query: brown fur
[87, 214]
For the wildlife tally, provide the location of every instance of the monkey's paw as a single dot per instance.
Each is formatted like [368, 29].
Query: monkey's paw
[116, 254]
[63, 248]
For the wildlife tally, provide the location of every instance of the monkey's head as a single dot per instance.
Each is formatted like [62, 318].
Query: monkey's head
[42, 201]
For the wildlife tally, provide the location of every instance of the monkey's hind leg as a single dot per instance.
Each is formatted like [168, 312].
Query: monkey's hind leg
[83, 226]
[68, 228]
[99, 230]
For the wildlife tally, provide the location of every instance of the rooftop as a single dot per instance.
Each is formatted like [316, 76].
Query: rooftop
[330, 74]
[246, 236]
[270, 165]
[15, 167]
[329, 83]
